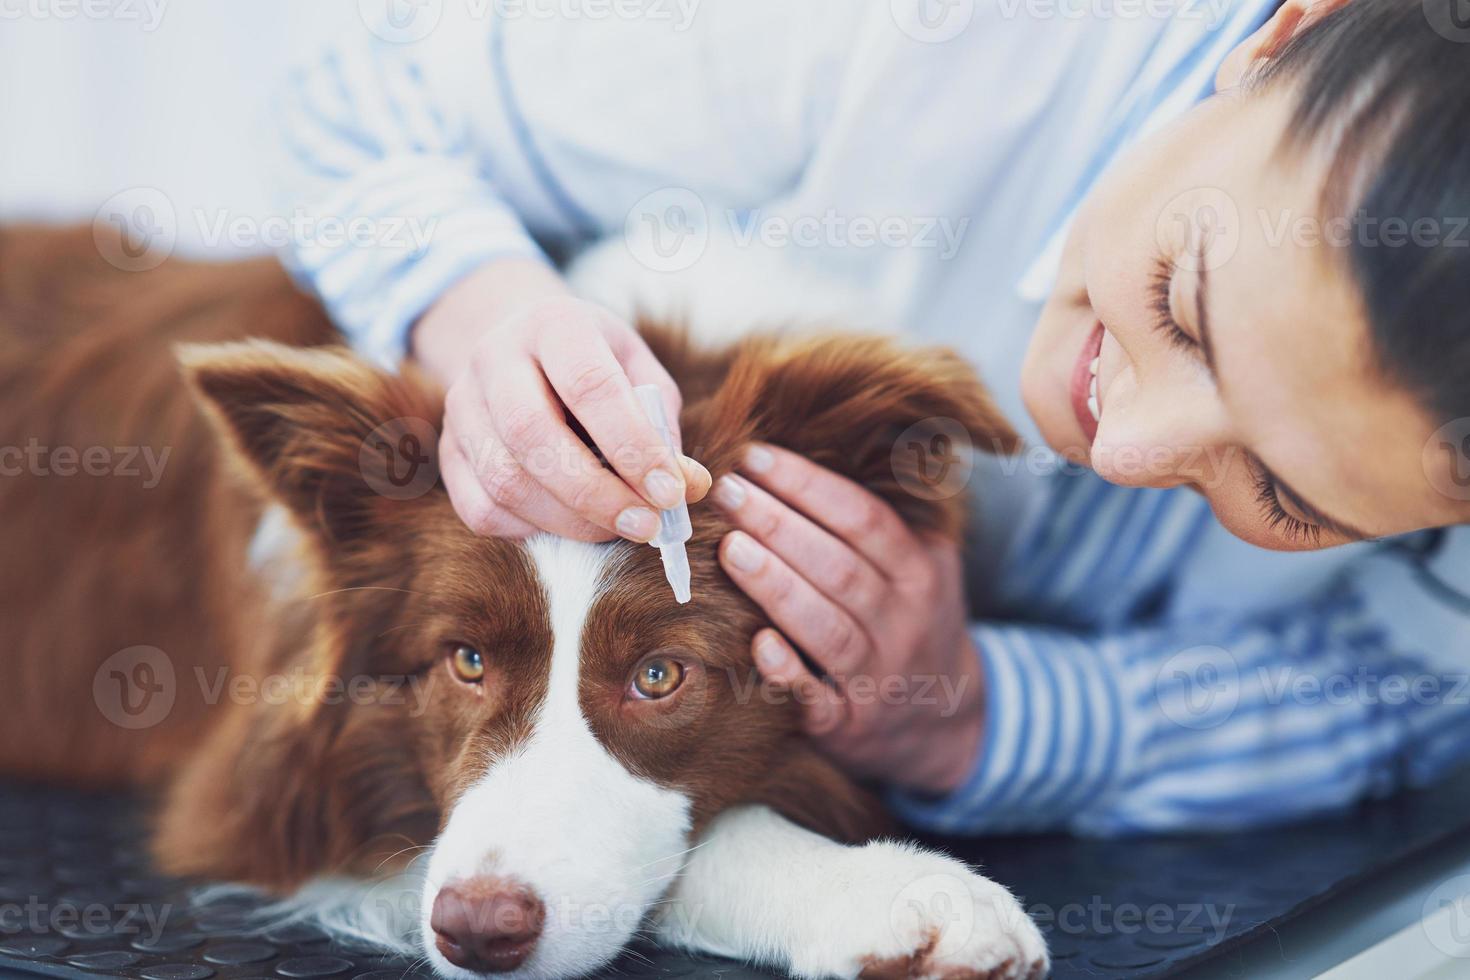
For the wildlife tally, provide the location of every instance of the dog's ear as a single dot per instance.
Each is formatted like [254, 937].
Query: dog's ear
[335, 440]
[901, 421]
[280, 792]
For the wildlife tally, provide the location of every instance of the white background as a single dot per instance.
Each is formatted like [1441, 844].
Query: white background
[93, 102]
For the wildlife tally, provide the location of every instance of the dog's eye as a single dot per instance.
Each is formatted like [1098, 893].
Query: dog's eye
[466, 663]
[658, 678]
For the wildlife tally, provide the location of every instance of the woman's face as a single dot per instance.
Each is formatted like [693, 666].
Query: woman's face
[1205, 311]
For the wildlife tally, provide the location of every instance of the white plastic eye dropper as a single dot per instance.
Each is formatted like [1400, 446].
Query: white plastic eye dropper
[673, 524]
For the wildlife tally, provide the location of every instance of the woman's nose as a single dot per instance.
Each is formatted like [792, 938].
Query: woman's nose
[1161, 434]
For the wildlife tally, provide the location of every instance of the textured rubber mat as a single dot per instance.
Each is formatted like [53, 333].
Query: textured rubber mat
[77, 898]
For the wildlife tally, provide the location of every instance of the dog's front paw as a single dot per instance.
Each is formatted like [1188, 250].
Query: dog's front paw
[896, 911]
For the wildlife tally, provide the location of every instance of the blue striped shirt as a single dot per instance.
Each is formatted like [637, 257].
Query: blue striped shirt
[1135, 685]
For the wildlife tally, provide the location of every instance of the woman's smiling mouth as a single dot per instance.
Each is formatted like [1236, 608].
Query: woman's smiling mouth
[1085, 400]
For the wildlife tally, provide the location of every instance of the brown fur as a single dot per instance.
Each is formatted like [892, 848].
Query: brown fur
[93, 564]
[275, 793]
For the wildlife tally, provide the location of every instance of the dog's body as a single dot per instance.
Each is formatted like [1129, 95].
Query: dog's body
[560, 814]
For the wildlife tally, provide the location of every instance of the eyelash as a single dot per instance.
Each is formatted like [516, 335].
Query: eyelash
[1277, 519]
[1160, 284]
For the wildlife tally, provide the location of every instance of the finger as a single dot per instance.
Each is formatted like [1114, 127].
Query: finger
[849, 511]
[645, 369]
[553, 464]
[822, 708]
[470, 501]
[828, 634]
[833, 566]
[503, 478]
[696, 478]
[595, 388]
[514, 492]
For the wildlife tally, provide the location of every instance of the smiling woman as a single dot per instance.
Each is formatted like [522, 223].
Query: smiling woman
[1266, 300]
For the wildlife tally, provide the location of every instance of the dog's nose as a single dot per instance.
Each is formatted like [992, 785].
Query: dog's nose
[489, 925]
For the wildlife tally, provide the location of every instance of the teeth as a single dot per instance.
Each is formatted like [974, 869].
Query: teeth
[1093, 405]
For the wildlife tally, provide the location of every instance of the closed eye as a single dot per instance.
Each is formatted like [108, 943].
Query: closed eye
[1276, 517]
[1160, 286]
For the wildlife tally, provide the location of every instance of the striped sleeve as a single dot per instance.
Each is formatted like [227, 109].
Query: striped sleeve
[386, 180]
[1216, 724]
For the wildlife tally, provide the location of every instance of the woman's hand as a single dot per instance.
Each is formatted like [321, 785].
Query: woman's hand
[521, 357]
[878, 608]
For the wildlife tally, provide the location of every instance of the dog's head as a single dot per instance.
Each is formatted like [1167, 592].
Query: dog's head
[543, 712]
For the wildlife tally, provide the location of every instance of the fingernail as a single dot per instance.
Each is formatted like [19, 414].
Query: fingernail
[728, 493]
[637, 523]
[699, 468]
[744, 553]
[664, 488]
[768, 653]
[758, 459]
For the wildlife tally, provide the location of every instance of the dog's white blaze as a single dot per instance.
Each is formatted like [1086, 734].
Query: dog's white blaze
[598, 844]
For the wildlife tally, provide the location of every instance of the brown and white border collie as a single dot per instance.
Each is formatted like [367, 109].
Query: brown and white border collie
[525, 813]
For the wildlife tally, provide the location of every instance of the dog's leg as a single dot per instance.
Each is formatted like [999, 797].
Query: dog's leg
[760, 888]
